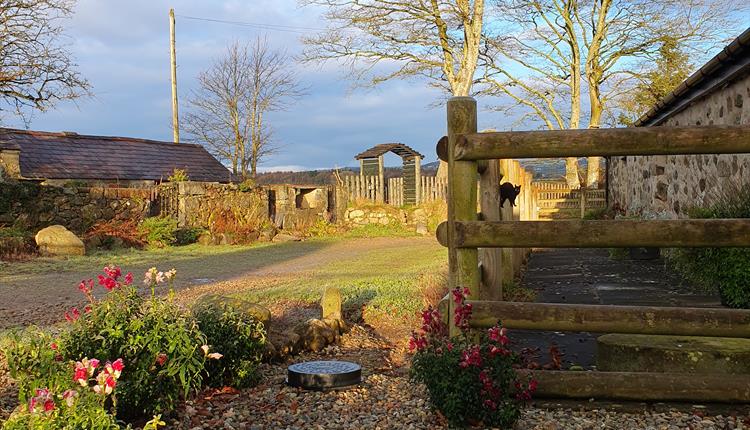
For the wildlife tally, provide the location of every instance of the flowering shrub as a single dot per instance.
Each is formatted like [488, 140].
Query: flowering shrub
[159, 341]
[470, 377]
[76, 402]
[239, 337]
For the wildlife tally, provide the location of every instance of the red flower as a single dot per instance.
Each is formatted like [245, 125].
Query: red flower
[471, 357]
[53, 345]
[73, 315]
[129, 278]
[87, 309]
[49, 405]
[161, 359]
[113, 272]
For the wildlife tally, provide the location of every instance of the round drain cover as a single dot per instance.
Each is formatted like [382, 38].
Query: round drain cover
[322, 375]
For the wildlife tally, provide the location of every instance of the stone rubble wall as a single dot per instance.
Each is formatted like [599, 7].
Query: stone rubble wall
[32, 207]
[417, 218]
[668, 186]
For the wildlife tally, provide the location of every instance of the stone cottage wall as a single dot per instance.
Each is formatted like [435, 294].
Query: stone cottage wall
[668, 186]
[32, 206]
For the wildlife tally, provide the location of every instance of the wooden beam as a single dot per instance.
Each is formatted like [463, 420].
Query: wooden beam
[678, 321]
[715, 139]
[600, 233]
[641, 386]
[462, 199]
[491, 287]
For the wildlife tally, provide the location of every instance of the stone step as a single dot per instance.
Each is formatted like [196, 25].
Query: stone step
[675, 354]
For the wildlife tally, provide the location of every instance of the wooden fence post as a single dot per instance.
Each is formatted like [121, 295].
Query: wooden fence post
[462, 201]
[491, 287]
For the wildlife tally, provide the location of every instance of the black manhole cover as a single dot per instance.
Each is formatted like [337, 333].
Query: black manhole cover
[323, 375]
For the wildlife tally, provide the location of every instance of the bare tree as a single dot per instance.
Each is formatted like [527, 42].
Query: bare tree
[36, 70]
[388, 39]
[228, 111]
[557, 52]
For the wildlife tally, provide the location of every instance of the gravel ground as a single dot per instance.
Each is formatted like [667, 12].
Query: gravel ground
[388, 400]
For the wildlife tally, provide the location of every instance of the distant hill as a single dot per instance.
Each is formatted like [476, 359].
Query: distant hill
[324, 177]
[541, 168]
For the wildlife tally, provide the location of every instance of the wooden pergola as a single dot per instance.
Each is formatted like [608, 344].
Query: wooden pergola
[371, 164]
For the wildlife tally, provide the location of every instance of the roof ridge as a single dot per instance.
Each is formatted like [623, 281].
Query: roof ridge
[91, 136]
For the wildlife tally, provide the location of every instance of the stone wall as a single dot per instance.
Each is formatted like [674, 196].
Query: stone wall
[420, 218]
[668, 186]
[32, 206]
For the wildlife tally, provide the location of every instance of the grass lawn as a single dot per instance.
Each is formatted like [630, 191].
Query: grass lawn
[394, 281]
[377, 275]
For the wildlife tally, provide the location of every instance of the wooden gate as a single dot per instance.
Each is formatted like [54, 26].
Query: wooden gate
[466, 152]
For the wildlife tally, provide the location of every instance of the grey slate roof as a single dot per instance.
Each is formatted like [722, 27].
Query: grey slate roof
[45, 155]
[397, 148]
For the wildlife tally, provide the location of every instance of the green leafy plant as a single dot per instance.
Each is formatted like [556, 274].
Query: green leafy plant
[246, 185]
[726, 270]
[187, 235]
[469, 381]
[178, 175]
[159, 231]
[160, 341]
[34, 361]
[238, 337]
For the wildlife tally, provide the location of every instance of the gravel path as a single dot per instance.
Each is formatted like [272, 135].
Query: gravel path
[387, 399]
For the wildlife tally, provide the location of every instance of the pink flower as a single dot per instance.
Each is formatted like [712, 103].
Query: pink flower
[70, 396]
[112, 272]
[471, 357]
[80, 375]
[489, 404]
[117, 367]
[214, 355]
[170, 274]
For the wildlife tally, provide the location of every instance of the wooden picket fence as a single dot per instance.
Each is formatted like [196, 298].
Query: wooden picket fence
[467, 236]
[556, 200]
[364, 188]
[369, 188]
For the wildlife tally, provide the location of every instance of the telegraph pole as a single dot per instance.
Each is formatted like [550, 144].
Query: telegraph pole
[175, 117]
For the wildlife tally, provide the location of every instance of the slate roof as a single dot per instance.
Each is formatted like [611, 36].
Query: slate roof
[66, 155]
[397, 148]
[729, 65]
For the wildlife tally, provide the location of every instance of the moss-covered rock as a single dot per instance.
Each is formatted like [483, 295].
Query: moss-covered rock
[682, 354]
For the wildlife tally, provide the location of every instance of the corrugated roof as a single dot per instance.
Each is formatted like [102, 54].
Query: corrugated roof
[45, 155]
[397, 148]
[732, 63]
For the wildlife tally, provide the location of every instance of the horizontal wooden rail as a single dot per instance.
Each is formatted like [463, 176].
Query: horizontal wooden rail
[678, 321]
[642, 386]
[599, 233]
[715, 139]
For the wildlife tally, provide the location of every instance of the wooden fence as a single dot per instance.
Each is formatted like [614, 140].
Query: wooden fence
[556, 200]
[368, 188]
[465, 234]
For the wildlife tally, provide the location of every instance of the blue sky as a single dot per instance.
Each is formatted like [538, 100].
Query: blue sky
[122, 48]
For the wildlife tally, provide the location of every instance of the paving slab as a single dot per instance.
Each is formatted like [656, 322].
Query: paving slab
[590, 276]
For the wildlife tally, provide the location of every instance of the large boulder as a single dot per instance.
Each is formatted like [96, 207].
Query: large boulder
[314, 335]
[58, 240]
[258, 312]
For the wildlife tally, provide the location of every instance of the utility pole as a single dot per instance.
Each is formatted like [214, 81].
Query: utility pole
[175, 117]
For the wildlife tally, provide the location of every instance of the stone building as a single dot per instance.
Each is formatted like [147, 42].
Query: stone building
[60, 158]
[668, 186]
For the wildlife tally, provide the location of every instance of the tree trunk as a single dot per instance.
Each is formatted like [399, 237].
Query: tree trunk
[594, 163]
